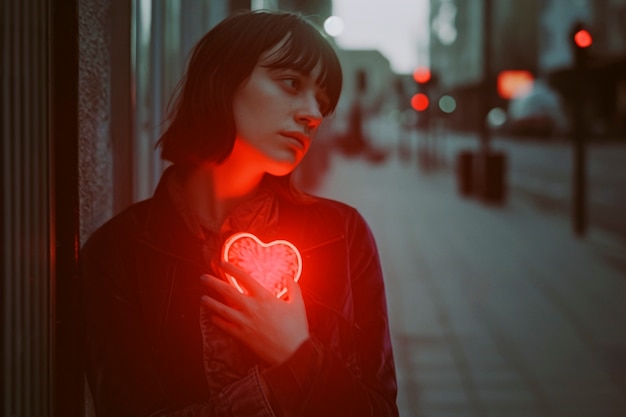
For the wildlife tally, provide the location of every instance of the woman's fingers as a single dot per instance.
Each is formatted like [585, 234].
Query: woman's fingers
[219, 286]
[233, 303]
[293, 291]
[270, 327]
[226, 325]
[222, 310]
[253, 287]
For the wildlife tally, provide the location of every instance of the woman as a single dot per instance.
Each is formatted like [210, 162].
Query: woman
[166, 334]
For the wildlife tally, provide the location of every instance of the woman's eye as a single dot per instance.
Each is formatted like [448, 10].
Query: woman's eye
[291, 82]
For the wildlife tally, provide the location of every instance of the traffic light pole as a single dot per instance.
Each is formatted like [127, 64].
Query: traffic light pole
[580, 171]
[485, 133]
[490, 167]
[579, 133]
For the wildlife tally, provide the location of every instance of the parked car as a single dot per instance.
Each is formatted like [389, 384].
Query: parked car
[539, 112]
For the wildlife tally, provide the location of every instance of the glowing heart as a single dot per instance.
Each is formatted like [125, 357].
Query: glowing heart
[271, 264]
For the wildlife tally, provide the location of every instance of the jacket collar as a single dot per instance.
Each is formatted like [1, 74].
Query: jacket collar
[163, 228]
[170, 227]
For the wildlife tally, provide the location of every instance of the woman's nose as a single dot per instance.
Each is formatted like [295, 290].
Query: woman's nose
[309, 113]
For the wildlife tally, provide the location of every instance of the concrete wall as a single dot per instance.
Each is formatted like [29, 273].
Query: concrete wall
[95, 150]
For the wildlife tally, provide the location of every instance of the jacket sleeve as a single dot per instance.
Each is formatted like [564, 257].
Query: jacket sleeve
[119, 363]
[315, 380]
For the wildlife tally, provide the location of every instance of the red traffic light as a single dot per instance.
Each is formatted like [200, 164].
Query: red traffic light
[419, 102]
[582, 38]
[421, 75]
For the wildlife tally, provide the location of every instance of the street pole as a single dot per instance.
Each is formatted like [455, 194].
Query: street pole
[580, 40]
[482, 157]
[580, 171]
[485, 136]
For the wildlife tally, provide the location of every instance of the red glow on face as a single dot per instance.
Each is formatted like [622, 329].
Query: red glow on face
[421, 75]
[583, 39]
[271, 264]
[514, 83]
[419, 102]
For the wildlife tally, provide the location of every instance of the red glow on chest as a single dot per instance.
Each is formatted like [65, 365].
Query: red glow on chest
[271, 264]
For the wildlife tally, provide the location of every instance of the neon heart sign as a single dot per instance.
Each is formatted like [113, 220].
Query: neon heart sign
[271, 264]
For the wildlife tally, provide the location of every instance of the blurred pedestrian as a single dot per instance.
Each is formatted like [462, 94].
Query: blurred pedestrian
[354, 141]
[404, 126]
[166, 331]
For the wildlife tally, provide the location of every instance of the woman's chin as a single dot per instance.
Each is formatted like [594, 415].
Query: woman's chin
[284, 166]
[282, 169]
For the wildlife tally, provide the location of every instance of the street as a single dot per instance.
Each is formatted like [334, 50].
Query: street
[542, 170]
[494, 311]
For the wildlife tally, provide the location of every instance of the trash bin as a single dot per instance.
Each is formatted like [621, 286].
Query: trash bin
[495, 189]
[465, 172]
[483, 176]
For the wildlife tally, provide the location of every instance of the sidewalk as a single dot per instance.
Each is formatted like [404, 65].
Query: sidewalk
[542, 169]
[494, 311]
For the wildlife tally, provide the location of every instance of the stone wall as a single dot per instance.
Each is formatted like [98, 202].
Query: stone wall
[94, 113]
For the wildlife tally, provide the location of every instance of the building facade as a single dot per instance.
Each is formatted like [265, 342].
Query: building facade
[535, 36]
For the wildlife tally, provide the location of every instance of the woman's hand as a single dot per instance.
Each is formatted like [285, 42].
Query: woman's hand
[272, 328]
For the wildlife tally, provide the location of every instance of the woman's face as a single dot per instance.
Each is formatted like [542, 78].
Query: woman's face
[277, 113]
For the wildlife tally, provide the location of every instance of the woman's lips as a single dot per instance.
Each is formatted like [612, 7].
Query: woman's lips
[299, 137]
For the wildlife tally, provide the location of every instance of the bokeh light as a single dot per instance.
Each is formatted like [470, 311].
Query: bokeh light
[496, 117]
[421, 75]
[334, 26]
[419, 102]
[515, 83]
[447, 104]
[583, 39]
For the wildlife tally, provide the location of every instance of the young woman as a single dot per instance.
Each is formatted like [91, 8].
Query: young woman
[166, 331]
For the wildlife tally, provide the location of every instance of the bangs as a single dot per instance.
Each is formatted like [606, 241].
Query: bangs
[302, 51]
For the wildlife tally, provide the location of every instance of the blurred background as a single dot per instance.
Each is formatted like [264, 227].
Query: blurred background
[483, 140]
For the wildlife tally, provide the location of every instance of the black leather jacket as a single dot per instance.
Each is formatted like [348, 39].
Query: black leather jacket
[151, 351]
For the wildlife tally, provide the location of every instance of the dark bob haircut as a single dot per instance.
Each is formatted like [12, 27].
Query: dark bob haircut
[201, 125]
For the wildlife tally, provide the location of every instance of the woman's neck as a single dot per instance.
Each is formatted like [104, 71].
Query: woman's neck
[212, 192]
